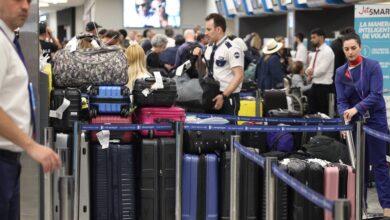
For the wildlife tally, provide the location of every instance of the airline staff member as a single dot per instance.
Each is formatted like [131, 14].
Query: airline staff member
[16, 111]
[226, 63]
[359, 87]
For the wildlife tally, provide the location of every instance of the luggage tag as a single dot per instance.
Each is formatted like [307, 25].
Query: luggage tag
[104, 138]
[58, 113]
[185, 66]
[95, 44]
[159, 81]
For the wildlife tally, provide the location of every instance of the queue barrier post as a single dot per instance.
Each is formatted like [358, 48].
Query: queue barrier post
[234, 178]
[179, 128]
[342, 209]
[270, 189]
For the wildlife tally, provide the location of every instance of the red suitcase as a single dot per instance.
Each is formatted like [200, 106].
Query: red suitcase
[123, 137]
[159, 115]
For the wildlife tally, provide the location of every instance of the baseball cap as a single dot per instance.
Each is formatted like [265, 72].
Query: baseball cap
[91, 26]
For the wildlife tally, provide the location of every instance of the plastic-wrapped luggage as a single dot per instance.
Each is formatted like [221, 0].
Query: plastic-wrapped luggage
[109, 100]
[146, 96]
[156, 174]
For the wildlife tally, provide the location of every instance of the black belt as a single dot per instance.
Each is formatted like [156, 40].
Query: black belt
[10, 155]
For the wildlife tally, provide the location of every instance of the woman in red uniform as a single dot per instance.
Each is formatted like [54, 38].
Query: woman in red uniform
[359, 87]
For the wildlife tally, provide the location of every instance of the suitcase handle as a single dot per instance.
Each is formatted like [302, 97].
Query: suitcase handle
[152, 79]
[162, 120]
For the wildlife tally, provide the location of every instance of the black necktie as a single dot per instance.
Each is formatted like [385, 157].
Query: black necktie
[211, 61]
[29, 86]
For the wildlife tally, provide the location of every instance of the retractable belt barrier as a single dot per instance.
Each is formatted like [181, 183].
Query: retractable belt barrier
[337, 207]
[377, 134]
[261, 119]
[214, 127]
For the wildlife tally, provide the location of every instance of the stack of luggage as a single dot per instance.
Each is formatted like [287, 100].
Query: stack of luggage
[156, 150]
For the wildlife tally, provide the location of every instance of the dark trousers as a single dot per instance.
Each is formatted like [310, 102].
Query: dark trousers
[319, 98]
[231, 105]
[9, 188]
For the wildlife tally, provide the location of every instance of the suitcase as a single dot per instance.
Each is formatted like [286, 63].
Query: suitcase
[274, 99]
[339, 184]
[156, 165]
[159, 116]
[71, 114]
[123, 137]
[248, 108]
[165, 97]
[284, 113]
[255, 140]
[109, 100]
[351, 191]
[198, 142]
[311, 174]
[306, 136]
[200, 187]
[249, 175]
[113, 182]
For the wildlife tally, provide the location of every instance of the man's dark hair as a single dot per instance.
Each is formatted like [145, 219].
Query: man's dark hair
[299, 36]
[200, 37]
[145, 33]
[347, 30]
[169, 31]
[112, 34]
[102, 32]
[352, 36]
[123, 32]
[42, 27]
[318, 31]
[179, 40]
[219, 20]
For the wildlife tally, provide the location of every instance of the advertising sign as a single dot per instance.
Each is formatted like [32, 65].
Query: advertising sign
[372, 23]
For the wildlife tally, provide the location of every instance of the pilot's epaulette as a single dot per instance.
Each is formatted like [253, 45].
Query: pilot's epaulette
[228, 44]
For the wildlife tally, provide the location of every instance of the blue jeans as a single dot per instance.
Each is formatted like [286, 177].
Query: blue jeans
[9, 188]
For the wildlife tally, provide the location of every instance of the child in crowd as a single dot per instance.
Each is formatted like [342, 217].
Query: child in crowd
[298, 78]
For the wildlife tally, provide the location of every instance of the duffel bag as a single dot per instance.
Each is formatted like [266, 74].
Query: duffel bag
[327, 148]
[91, 66]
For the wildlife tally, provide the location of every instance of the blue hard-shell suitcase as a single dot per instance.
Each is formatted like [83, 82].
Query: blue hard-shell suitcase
[200, 187]
[113, 182]
[109, 100]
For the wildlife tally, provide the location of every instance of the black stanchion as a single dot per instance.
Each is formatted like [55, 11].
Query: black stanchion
[179, 127]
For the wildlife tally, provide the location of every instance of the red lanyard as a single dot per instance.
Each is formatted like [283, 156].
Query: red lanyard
[360, 93]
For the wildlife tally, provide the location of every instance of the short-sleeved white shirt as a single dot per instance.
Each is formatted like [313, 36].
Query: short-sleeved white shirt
[226, 56]
[14, 96]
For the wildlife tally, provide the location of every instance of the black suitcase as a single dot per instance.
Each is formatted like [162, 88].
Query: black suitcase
[156, 185]
[249, 175]
[311, 174]
[71, 114]
[273, 99]
[284, 113]
[198, 142]
[255, 140]
[165, 97]
[113, 182]
[306, 136]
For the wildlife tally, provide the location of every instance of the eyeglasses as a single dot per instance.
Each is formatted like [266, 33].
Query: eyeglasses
[140, 5]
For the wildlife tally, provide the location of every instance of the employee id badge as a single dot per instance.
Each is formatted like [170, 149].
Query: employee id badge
[366, 115]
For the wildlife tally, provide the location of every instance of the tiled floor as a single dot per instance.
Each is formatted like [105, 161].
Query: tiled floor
[30, 192]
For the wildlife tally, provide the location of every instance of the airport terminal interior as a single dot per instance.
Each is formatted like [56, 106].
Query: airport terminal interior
[257, 109]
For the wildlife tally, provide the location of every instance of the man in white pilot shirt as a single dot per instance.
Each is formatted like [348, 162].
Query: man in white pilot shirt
[225, 61]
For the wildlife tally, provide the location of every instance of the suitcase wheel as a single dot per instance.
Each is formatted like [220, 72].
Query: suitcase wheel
[125, 91]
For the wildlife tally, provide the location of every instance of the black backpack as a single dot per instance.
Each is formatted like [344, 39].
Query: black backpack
[187, 55]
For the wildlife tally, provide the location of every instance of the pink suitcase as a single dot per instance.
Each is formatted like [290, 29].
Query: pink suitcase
[159, 115]
[331, 187]
[351, 191]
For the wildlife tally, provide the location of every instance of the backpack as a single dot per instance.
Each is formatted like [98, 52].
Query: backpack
[187, 55]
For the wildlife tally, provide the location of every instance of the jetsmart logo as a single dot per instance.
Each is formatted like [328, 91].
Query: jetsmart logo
[374, 11]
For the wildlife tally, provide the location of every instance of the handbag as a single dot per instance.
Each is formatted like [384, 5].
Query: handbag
[91, 66]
